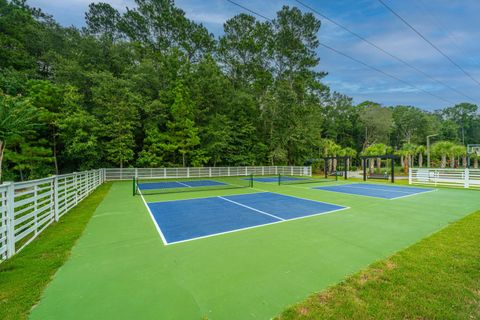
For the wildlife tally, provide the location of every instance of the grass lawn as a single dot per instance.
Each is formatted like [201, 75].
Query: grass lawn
[437, 278]
[24, 277]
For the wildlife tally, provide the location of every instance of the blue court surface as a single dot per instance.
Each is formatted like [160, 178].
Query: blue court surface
[375, 190]
[178, 184]
[184, 220]
[275, 179]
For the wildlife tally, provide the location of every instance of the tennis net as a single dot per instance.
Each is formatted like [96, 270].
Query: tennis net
[149, 185]
[290, 179]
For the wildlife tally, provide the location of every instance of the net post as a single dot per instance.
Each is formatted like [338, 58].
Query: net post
[10, 222]
[55, 198]
[325, 166]
[133, 186]
[364, 161]
[279, 179]
[393, 169]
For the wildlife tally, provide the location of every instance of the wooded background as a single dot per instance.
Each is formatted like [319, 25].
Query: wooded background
[151, 88]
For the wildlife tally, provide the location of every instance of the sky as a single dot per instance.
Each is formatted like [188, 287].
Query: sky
[452, 26]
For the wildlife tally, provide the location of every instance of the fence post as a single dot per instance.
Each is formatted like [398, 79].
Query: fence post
[75, 187]
[409, 175]
[467, 178]
[10, 219]
[55, 198]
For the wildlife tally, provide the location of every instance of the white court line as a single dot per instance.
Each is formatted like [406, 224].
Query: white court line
[413, 194]
[188, 199]
[245, 206]
[370, 196]
[287, 195]
[183, 184]
[256, 226]
[391, 190]
[153, 219]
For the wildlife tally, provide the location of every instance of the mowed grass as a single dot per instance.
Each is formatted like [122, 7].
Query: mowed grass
[24, 277]
[437, 278]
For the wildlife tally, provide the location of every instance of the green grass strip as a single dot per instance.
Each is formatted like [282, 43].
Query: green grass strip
[25, 276]
[437, 278]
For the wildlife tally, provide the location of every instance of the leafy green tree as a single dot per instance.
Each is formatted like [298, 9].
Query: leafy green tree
[117, 107]
[47, 99]
[463, 115]
[410, 125]
[377, 122]
[449, 131]
[245, 50]
[102, 20]
[182, 131]
[16, 119]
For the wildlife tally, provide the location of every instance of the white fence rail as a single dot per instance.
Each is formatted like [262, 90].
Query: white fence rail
[467, 178]
[27, 208]
[129, 173]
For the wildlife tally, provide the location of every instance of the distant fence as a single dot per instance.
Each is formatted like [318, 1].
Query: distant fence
[466, 178]
[112, 174]
[27, 208]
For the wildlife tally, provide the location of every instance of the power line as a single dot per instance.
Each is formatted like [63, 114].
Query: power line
[354, 59]
[384, 51]
[251, 11]
[384, 73]
[429, 42]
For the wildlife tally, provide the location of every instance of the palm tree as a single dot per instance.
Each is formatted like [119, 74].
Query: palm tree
[421, 150]
[457, 152]
[475, 157]
[408, 151]
[330, 149]
[442, 149]
[375, 150]
[350, 153]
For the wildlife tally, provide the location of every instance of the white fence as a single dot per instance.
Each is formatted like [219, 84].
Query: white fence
[466, 178]
[129, 173]
[27, 208]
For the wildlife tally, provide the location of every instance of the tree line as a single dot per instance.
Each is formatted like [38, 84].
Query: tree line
[149, 88]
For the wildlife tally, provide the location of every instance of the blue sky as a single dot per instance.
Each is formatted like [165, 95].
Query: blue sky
[453, 26]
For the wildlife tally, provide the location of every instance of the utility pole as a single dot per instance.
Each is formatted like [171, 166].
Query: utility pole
[428, 148]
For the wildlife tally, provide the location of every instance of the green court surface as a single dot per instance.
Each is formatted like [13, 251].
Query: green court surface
[120, 268]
